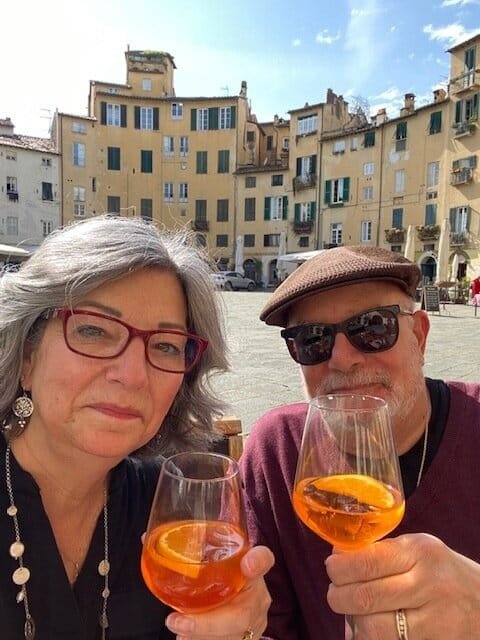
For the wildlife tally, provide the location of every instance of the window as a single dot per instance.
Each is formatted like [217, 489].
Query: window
[435, 122]
[47, 191]
[113, 115]
[401, 136]
[285, 144]
[250, 205]
[78, 154]
[369, 139]
[146, 161]
[430, 214]
[366, 230]
[147, 84]
[368, 193]
[11, 184]
[47, 227]
[146, 208]
[269, 143]
[399, 177]
[79, 202]
[12, 226]
[353, 144]
[459, 219]
[10, 155]
[113, 158]
[222, 210]
[184, 145]
[226, 118]
[113, 204]
[339, 146]
[177, 110]
[271, 240]
[250, 136]
[277, 180]
[469, 68]
[336, 233]
[201, 210]
[183, 192]
[202, 161]
[306, 167]
[168, 146]
[433, 172]
[337, 191]
[250, 182]
[303, 241]
[222, 240]
[307, 124]
[305, 211]
[223, 164]
[275, 208]
[467, 109]
[46, 162]
[470, 162]
[431, 195]
[249, 240]
[368, 168]
[397, 218]
[146, 118]
[202, 119]
[79, 127]
[168, 191]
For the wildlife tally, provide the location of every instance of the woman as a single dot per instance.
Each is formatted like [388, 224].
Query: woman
[74, 502]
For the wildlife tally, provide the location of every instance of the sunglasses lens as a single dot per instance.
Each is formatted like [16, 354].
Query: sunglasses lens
[311, 344]
[375, 330]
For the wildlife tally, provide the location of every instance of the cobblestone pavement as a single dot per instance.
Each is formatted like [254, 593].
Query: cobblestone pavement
[263, 375]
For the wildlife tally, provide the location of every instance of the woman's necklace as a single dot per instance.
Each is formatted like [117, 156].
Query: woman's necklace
[21, 575]
[424, 454]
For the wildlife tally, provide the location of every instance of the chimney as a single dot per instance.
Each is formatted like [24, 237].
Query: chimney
[243, 89]
[380, 118]
[439, 95]
[409, 104]
[6, 127]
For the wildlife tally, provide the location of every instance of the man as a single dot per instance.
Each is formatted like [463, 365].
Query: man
[423, 582]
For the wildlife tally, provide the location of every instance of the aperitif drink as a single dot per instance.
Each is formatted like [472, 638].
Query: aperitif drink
[348, 510]
[194, 565]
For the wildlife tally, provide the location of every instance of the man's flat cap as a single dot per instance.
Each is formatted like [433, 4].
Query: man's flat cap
[339, 267]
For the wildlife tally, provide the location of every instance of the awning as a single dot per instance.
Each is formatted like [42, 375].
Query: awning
[13, 252]
[300, 257]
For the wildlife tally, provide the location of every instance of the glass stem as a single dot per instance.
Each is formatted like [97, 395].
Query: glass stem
[350, 627]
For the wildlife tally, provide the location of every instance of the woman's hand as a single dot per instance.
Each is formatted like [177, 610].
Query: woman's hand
[247, 611]
[437, 589]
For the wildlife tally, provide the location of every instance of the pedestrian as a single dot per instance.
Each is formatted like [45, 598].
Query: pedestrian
[424, 580]
[109, 334]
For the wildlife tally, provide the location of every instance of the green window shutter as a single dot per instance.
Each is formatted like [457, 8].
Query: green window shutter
[299, 167]
[313, 210]
[223, 161]
[369, 139]
[401, 133]
[346, 189]
[285, 208]
[123, 115]
[193, 119]
[266, 210]
[297, 212]
[155, 119]
[397, 218]
[436, 122]
[146, 161]
[213, 118]
[458, 111]
[313, 165]
[452, 216]
[430, 213]
[137, 117]
[103, 113]
[469, 211]
[328, 191]
[476, 100]
[233, 117]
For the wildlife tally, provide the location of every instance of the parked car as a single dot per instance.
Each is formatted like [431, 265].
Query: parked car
[232, 280]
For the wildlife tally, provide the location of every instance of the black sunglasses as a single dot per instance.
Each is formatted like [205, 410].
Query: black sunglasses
[371, 331]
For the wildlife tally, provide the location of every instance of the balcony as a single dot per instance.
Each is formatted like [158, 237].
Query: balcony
[428, 232]
[302, 226]
[395, 236]
[467, 81]
[463, 176]
[12, 196]
[200, 225]
[459, 238]
[463, 129]
[304, 182]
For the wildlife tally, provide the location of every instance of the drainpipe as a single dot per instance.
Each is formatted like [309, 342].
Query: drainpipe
[380, 191]
[319, 218]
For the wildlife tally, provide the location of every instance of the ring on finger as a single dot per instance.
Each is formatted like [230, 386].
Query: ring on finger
[401, 620]
[248, 635]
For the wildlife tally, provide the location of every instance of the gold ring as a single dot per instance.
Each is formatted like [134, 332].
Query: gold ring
[248, 635]
[401, 619]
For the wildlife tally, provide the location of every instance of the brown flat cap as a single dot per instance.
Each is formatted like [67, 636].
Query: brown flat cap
[339, 267]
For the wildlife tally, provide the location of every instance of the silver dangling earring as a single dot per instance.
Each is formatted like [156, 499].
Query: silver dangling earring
[22, 408]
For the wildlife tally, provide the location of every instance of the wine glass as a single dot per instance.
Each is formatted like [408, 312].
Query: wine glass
[196, 534]
[348, 488]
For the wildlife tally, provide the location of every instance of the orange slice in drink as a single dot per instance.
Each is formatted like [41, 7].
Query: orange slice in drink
[363, 488]
[180, 547]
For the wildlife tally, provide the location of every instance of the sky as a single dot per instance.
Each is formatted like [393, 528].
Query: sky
[290, 52]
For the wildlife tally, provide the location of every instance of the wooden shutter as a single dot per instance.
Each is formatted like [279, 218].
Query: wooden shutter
[285, 208]
[233, 117]
[436, 122]
[193, 119]
[401, 132]
[430, 213]
[313, 165]
[103, 113]
[123, 115]
[452, 216]
[299, 167]
[313, 210]
[346, 189]
[328, 192]
[469, 211]
[213, 118]
[137, 117]
[155, 119]
[458, 111]
[266, 208]
[297, 212]
[476, 100]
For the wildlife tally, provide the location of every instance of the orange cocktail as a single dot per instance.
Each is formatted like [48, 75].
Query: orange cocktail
[348, 510]
[194, 565]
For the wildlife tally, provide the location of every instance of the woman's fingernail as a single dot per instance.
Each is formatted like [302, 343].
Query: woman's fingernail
[180, 624]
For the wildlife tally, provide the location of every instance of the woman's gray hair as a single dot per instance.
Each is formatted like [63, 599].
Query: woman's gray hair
[73, 261]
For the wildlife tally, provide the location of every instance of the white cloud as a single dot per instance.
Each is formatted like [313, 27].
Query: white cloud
[389, 94]
[451, 34]
[325, 38]
[296, 42]
[457, 3]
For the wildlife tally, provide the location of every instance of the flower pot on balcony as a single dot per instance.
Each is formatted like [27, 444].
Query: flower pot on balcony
[395, 236]
[428, 232]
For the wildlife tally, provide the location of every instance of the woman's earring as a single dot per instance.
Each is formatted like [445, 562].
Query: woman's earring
[22, 408]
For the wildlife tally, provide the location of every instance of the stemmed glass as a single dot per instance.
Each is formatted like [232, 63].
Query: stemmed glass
[348, 488]
[196, 534]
